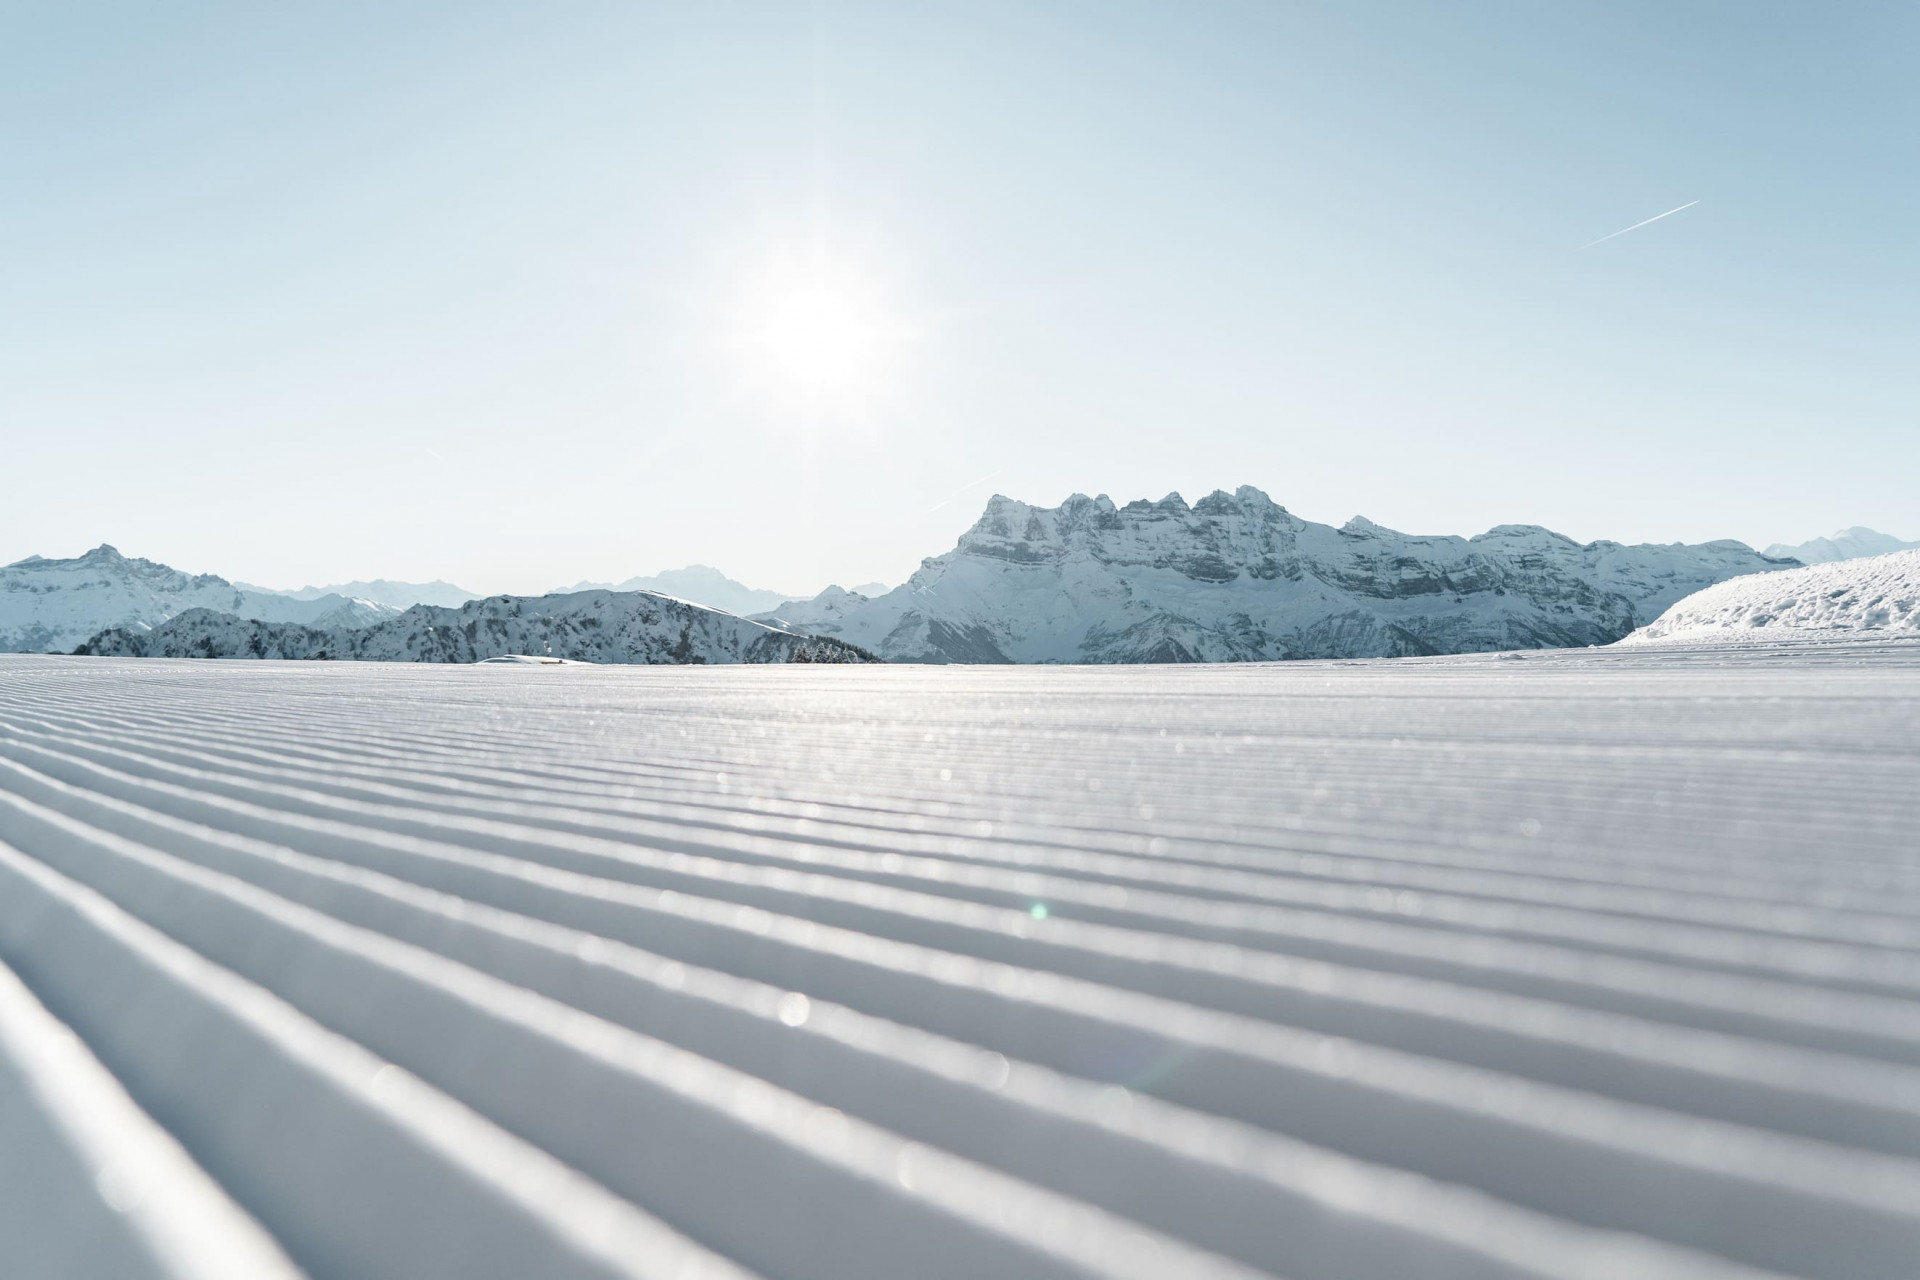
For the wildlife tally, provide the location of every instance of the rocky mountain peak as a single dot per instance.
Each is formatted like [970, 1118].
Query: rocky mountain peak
[1237, 577]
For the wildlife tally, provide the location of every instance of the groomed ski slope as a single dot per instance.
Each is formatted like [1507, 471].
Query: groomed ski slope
[1586, 964]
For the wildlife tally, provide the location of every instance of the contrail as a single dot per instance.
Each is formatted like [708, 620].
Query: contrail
[1636, 226]
[962, 489]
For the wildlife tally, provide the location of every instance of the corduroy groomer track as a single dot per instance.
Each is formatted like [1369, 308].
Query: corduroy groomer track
[1577, 964]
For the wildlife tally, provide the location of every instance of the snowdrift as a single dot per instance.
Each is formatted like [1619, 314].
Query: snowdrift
[1877, 596]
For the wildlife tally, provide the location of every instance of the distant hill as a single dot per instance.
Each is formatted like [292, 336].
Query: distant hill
[401, 595]
[1848, 544]
[699, 583]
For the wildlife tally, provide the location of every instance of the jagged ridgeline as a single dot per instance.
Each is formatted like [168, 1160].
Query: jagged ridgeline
[1232, 578]
[587, 626]
[1236, 577]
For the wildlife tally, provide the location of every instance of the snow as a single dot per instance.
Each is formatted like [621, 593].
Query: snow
[1236, 577]
[90, 1185]
[531, 660]
[1585, 963]
[1879, 595]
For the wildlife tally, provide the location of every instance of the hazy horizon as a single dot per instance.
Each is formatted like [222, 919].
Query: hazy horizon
[514, 297]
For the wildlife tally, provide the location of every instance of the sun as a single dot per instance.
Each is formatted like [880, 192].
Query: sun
[821, 337]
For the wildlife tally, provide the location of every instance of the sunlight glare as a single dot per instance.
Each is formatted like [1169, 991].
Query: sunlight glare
[819, 337]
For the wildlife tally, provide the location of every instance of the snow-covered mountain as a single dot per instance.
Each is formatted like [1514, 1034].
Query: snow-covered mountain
[699, 583]
[53, 605]
[1848, 544]
[589, 626]
[1876, 596]
[1236, 577]
[401, 595]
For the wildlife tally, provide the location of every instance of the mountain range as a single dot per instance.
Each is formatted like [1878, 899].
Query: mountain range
[1236, 577]
[703, 584]
[1847, 544]
[587, 626]
[53, 605]
[1233, 577]
[698, 583]
[401, 595]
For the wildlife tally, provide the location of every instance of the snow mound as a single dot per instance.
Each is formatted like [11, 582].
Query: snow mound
[1878, 595]
[533, 660]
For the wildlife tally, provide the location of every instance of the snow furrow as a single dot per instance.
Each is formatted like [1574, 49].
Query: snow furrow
[1545, 855]
[585, 1090]
[1818, 1018]
[877, 854]
[910, 913]
[1596, 964]
[1735, 1079]
[1699, 1184]
[89, 1184]
[1671, 824]
[1263, 1199]
[284, 1112]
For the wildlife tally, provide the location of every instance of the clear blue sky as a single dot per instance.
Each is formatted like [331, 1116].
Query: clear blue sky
[482, 291]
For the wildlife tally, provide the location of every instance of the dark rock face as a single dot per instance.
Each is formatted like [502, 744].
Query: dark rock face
[588, 626]
[1236, 577]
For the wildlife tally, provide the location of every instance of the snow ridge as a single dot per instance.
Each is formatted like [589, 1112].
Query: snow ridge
[1527, 970]
[1236, 577]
